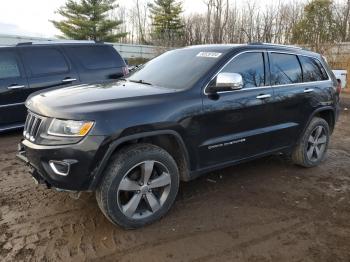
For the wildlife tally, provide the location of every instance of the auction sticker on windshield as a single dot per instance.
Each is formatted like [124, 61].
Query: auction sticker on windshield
[209, 54]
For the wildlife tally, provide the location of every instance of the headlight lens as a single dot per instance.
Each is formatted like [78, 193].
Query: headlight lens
[69, 128]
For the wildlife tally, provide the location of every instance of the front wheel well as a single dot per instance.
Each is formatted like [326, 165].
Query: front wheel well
[169, 143]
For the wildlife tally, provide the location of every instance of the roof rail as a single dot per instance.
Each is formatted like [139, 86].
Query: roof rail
[277, 45]
[48, 42]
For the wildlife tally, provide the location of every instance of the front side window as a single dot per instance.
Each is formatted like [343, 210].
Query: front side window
[312, 69]
[8, 65]
[285, 69]
[250, 66]
[45, 61]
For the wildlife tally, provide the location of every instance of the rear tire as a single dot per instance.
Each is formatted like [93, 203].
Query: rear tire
[312, 147]
[139, 187]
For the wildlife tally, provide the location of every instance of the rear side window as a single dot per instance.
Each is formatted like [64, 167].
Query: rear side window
[97, 57]
[250, 66]
[285, 69]
[8, 65]
[312, 69]
[45, 61]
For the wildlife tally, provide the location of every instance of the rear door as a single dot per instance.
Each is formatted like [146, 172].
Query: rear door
[13, 86]
[237, 124]
[293, 102]
[97, 63]
[47, 67]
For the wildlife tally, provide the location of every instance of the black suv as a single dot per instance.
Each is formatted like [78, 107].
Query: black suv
[30, 67]
[183, 114]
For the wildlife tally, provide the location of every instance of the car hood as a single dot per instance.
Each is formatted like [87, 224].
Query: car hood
[76, 102]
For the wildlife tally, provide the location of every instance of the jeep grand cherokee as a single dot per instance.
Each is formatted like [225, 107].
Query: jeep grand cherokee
[183, 114]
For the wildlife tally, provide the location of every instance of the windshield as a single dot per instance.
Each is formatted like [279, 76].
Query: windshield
[178, 69]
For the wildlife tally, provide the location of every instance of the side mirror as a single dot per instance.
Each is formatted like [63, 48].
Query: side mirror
[227, 82]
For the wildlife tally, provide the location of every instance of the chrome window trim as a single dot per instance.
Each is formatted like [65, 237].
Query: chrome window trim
[269, 86]
[288, 53]
[229, 61]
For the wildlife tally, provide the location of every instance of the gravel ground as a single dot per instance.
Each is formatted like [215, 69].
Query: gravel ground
[266, 210]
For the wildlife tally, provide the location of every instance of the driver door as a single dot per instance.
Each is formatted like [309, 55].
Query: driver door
[237, 124]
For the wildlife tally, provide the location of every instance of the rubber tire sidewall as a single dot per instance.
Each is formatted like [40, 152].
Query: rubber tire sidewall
[299, 155]
[121, 163]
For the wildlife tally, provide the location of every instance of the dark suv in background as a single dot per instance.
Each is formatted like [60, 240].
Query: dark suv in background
[30, 67]
[184, 113]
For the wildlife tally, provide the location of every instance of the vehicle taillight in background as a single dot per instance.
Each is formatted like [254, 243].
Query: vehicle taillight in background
[339, 86]
[125, 70]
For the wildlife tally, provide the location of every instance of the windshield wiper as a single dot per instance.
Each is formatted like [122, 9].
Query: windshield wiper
[140, 82]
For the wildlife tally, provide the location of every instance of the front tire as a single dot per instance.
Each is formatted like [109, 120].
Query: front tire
[139, 187]
[312, 147]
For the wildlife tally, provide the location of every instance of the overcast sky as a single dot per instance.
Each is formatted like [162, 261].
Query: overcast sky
[31, 17]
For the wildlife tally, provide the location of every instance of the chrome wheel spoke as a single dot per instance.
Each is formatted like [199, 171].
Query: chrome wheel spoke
[318, 133]
[163, 180]
[146, 171]
[318, 152]
[152, 201]
[310, 152]
[128, 185]
[322, 140]
[130, 208]
[311, 139]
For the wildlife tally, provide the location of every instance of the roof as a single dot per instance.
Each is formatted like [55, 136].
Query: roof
[225, 48]
[58, 42]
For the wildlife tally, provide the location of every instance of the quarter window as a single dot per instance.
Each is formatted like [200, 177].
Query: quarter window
[8, 65]
[312, 70]
[285, 69]
[250, 66]
[45, 61]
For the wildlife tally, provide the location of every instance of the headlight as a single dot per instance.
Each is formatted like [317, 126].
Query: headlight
[69, 128]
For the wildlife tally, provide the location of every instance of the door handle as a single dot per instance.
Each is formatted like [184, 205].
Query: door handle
[263, 96]
[308, 90]
[15, 87]
[68, 80]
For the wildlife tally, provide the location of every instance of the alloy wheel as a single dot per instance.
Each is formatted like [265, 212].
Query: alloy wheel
[317, 143]
[144, 189]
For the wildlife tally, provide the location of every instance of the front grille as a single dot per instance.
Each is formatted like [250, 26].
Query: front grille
[32, 126]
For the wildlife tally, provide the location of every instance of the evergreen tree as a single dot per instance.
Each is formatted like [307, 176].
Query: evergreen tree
[166, 20]
[318, 26]
[88, 20]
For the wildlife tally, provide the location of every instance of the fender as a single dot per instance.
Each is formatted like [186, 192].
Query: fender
[97, 174]
[318, 110]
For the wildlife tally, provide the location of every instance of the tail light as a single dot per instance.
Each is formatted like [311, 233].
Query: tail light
[339, 87]
[125, 70]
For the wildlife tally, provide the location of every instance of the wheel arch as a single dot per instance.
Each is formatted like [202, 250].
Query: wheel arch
[169, 140]
[327, 113]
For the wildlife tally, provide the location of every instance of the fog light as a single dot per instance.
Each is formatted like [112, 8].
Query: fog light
[60, 167]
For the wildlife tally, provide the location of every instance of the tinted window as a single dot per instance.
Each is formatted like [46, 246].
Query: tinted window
[312, 69]
[285, 69]
[8, 65]
[177, 69]
[97, 57]
[250, 66]
[43, 61]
